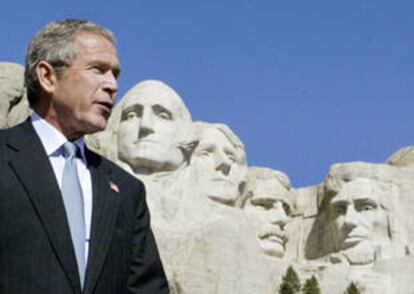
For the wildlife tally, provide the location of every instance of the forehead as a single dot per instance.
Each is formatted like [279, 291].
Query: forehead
[359, 190]
[91, 46]
[269, 189]
[212, 136]
[153, 95]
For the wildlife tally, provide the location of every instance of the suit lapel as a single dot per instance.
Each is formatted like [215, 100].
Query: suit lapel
[105, 209]
[28, 159]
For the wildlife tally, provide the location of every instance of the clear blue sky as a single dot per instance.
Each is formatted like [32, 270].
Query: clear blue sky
[305, 84]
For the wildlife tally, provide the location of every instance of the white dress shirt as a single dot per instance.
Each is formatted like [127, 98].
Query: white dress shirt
[52, 141]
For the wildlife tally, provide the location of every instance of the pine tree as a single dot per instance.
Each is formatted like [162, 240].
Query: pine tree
[290, 282]
[352, 289]
[311, 286]
[285, 289]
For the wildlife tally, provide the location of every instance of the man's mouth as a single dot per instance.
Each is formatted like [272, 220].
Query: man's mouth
[220, 180]
[276, 237]
[352, 240]
[144, 141]
[355, 238]
[105, 106]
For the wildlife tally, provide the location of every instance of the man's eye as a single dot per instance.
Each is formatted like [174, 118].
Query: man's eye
[130, 115]
[97, 69]
[232, 157]
[204, 153]
[339, 209]
[116, 73]
[263, 205]
[162, 112]
[164, 115]
[367, 207]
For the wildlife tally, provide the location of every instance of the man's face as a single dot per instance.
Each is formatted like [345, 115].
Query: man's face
[83, 97]
[215, 158]
[11, 85]
[267, 210]
[357, 216]
[149, 130]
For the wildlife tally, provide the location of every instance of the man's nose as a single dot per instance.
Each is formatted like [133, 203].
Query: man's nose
[278, 215]
[111, 84]
[351, 217]
[146, 123]
[223, 163]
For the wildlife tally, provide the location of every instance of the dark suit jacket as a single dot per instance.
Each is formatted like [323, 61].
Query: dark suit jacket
[36, 252]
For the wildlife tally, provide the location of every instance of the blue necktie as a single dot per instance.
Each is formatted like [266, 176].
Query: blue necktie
[73, 200]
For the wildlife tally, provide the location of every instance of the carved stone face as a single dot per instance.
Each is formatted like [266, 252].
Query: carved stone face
[11, 88]
[151, 128]
[358, 218]
[267, 209]
[216, 160]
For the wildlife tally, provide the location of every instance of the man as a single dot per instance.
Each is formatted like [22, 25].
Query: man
[152, 129]
[219, 162]
[266, 204]
[70, 221]
[362, 221]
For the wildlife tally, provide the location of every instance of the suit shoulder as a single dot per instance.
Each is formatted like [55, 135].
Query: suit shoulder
[116, 171]
[5, 133]
[16, 130]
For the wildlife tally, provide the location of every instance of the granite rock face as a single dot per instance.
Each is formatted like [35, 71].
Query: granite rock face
[14, 107]
[403, 157]
[223, 226]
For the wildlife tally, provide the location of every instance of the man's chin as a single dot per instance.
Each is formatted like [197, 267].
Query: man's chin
[97, 124]
[222, 197]
[144, 162]
[273, 249]
[360, 254]
[351, 242]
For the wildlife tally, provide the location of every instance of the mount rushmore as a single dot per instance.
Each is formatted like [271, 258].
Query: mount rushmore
[223, 226]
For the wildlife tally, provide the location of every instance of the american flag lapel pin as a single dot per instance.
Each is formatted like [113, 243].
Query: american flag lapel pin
[114, 187]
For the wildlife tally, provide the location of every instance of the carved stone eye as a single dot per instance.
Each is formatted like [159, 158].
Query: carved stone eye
[367, 207]
[164, 115]
[339, 209]
[130, 115]
[162, 112]
[231, 156]
[204, 153]
[263, 205]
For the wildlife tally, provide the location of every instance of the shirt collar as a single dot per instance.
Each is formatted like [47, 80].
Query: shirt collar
[51, 138]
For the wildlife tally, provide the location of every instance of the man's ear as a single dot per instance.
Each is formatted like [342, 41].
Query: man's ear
[46, 75]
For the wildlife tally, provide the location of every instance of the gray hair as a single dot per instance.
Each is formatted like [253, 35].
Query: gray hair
[55, 44]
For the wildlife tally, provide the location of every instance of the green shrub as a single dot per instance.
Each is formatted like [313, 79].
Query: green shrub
[311, 286]
[352, 289]
[290, 282]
